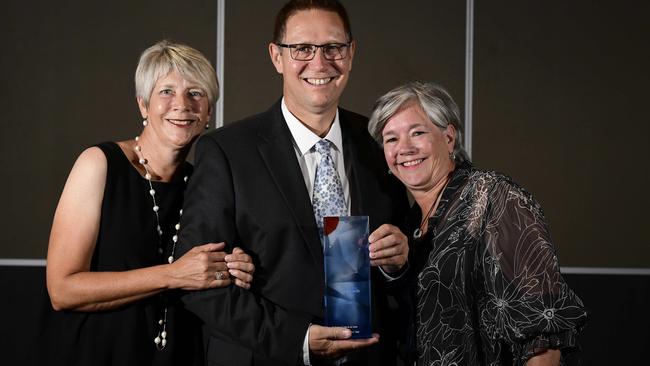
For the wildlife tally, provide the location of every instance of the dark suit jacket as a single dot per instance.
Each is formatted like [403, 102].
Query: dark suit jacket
[247, 190]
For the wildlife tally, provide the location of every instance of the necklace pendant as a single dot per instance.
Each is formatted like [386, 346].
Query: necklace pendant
[417, 234]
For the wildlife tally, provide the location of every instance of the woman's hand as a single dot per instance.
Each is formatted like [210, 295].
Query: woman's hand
[240, 266]
[388, 248]
[202, 267]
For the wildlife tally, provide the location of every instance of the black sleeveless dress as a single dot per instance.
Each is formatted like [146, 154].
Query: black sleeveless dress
[128, 240]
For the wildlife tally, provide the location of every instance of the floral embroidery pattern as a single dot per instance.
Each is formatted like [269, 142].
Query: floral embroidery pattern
[488, 289]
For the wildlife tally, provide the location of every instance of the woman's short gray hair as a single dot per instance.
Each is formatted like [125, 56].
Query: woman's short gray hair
[164, 57]
[434, 100]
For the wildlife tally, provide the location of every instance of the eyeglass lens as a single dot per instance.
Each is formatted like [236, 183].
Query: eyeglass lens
[306, 52]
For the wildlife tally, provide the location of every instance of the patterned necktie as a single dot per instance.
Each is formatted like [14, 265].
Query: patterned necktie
[328, 198]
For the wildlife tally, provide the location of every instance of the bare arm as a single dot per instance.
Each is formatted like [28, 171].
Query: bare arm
[70, 283]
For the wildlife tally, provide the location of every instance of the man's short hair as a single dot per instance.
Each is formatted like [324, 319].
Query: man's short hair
[295, 6]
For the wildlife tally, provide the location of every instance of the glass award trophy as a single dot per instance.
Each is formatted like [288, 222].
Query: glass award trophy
[347, 274]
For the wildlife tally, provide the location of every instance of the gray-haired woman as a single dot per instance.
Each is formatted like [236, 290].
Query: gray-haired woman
[110, 261]
[484, 285]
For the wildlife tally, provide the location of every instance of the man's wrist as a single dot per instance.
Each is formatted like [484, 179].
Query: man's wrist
[393, 275]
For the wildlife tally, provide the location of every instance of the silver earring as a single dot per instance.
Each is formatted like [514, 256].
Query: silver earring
[390, 172]
[207, 126]
[145, 122]
[452, 156]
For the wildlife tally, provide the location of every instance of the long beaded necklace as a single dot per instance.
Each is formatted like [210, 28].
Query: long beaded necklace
[161, 338]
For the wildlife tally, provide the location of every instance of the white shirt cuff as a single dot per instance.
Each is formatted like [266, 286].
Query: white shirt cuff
[390, 277]
[305, 349]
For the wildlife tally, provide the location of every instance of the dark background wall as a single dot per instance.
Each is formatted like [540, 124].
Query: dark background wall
[559, 92]
[560, 104]
[66, 71]
[559, 89]
[417, 40]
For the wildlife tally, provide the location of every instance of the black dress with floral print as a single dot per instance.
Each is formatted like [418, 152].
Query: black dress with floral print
[484, 285]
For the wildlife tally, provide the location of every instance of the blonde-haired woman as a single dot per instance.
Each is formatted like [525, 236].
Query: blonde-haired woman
[110, 260]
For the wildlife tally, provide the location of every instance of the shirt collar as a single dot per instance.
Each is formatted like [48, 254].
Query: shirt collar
[304, 138]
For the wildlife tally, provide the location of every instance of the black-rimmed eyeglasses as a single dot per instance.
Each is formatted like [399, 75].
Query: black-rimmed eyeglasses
[306, 51]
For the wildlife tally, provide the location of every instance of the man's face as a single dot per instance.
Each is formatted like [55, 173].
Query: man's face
[315, 86]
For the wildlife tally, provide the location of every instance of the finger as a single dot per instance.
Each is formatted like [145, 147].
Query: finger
[239, 257]
[210, 247]
[319, 332]
[247, 267]
[221, 275]
[335, 333]
[212, 268]
[219, 283]
[216, 257]
[352, 344]
[385, 242]
[242, 284]
[389, 252]
[381, 231]
[237, 250]
[244, 276]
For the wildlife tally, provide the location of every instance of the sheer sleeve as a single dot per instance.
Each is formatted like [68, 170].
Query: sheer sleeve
[523, 301]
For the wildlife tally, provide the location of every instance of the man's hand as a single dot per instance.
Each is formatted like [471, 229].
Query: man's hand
[388, 248]
[241, 267]
[332, 342]
[549, 357]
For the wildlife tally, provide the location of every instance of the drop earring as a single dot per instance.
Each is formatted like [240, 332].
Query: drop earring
[145, 122]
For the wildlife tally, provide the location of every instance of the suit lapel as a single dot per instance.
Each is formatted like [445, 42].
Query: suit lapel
[356, 176]
[364, 196]
[276, 149]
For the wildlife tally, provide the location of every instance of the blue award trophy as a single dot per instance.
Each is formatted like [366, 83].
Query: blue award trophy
[347, 274]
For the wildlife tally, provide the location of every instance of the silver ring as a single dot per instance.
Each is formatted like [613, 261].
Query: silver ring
[219, 275]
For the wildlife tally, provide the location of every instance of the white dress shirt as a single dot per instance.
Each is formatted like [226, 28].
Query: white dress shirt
[303, 142]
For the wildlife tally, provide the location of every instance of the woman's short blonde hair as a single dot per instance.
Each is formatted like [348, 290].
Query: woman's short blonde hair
[164, 57]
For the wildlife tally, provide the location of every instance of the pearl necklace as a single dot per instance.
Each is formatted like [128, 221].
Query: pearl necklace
[161, 338]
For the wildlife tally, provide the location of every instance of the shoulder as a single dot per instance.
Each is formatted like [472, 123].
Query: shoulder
[352, 117]
[486, 180]
[354, 124]
[355, 127]
[87, 178]
[500, 189]
[249, 125]
[92, 160]
[90, 168]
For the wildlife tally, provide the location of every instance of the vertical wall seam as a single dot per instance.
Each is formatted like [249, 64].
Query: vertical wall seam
[221, 28]
[469, 74]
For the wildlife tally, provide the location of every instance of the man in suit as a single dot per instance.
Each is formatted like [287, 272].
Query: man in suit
[253, 187]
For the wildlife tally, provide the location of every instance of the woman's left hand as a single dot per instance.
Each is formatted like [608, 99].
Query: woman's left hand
[388, 248]
[241, 268]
